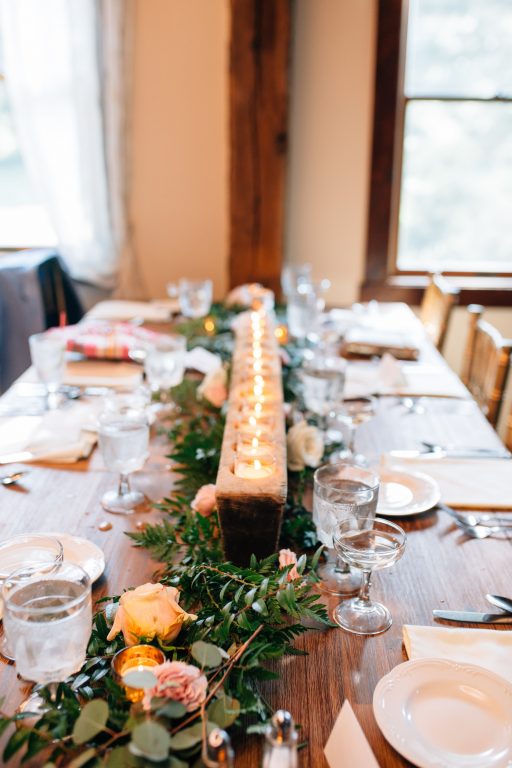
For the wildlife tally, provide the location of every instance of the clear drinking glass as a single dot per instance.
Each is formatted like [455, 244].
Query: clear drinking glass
[164, 364]
[195, 297]
[124, 442]
[323, 380]
[368, 543]
[47, 622]
[294, 275]
[353, 412]
[48, 355]
[23, 551]
[341, 491]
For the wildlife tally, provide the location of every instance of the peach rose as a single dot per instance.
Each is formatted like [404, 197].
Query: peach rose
[287, 557]
[214, 387]
[147, 612]
[305, 445]
[205, 501]
[180, 682]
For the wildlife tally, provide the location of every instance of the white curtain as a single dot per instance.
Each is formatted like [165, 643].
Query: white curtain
[64, 62]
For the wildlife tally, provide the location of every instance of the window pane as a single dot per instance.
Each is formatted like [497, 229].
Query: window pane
[459, 47]
[456, 187]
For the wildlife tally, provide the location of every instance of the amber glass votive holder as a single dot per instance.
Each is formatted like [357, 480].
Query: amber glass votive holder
[135, 658]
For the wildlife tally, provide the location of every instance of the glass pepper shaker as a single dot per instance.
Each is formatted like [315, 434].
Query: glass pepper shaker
[219, 752]
[280, 748]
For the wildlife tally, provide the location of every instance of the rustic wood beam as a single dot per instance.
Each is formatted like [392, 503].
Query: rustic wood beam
[258, 105]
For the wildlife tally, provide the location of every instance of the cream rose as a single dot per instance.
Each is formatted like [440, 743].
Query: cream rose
[147, 612]
[205, 501]
[287, 557]
[305, 446]
[214, 387]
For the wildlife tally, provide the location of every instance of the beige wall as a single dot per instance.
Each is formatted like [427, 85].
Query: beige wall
[331, 125]
[180, 141]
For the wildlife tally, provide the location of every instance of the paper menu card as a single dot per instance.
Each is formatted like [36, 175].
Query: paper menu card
[347, 746]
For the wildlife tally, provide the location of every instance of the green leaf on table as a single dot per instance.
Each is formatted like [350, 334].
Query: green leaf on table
[224, 711]
[171, 709]
[189, 737]
[17, 740]
[260, 606]
[206, 654]
[91, 721]
[150, 740]
[176, 763]
[121, 757]
[140, 678]
[82, 759]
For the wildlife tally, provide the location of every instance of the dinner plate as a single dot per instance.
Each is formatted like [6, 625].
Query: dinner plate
[82, 552]
[406, 493]
[441, 714]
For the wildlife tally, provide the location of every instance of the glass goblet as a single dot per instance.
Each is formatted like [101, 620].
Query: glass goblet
[341, 491]
[323, 380]
[48, 355]
[368, 543]
[195, 297]
[124, 442]
[164, 366]
[353, 412]
[47, 621]
[23, 551]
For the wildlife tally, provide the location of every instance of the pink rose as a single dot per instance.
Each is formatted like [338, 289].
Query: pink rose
[180, 682]
[214, 387]
[205, 500]
[287, 557]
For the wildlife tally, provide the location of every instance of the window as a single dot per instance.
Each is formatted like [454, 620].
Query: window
[23, 220]
[442, 157]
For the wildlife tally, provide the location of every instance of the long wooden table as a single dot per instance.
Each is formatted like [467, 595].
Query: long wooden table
[441, 568]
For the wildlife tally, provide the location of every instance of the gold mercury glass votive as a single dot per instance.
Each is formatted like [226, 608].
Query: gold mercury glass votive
[135, 658]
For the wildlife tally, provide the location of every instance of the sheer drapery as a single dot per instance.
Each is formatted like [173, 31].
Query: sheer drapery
[65, 64]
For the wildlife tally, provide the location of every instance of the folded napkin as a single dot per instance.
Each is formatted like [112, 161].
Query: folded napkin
[107, 341]
[391, 377]
[465, 483]
[62, 436]
[485, 647]
[129, 310]
[103, 373]
[378, 341]
[199, 359]
[347, 746]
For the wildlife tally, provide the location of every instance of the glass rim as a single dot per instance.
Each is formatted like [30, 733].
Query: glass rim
[53, 570]
[322, 484]
[358, 519]
[51, 334]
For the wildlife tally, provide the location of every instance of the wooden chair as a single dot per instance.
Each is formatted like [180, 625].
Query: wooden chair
[486, 364]
[438, 302]
[508, 435]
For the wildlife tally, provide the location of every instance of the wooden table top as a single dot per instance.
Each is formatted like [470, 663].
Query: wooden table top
[441, 568]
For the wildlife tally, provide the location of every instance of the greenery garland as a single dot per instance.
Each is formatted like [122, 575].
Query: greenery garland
[245, 617]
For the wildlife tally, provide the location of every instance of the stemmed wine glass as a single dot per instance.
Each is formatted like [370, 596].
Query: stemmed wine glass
[353, 412]
[368, 543]
[323, 379]
[124, 441]
[48, 355]
[341, 491]
[47, 622]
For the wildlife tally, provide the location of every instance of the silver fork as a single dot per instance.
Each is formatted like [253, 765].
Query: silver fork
[484, 520]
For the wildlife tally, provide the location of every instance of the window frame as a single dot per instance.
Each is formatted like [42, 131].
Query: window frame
[382, 279]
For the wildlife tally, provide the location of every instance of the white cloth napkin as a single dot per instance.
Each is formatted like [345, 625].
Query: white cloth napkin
[61, 436]
[487, 648]
[103, 373]
[465, 483]
[128, 310]
[202, 360]
[347, 746]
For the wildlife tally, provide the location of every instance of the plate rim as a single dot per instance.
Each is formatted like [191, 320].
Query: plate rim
[423, 476]
[81, 540]
[405, 749]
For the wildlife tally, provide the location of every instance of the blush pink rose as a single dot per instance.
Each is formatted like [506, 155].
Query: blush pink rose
[287, 557]
[180, 682]
[205, 501]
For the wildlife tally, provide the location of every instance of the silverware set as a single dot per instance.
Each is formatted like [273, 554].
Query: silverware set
[474, 617]
[479, 526]
[12, 479]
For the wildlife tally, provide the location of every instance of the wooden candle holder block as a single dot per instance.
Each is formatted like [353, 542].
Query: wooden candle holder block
[251, 509]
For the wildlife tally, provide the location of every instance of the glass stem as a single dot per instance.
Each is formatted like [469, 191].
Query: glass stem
[352, 439]
[341, 565]
[124, 485]
[364, 590]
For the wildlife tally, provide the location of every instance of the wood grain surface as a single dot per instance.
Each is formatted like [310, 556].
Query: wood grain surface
[441, 568]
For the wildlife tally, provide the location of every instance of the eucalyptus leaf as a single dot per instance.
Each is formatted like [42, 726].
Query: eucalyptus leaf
[150, 740]
[91, 721]
[224, 711]
[206, 654]
[140, 678]
[171, 709]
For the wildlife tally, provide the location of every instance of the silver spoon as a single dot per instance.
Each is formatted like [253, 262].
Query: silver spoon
[504, 603]
[12, 479]
[467, 518]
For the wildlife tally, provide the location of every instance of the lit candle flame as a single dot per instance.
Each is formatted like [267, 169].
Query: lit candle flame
[257, 464]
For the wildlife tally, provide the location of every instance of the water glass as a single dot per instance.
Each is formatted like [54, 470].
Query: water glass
[323, 380]
[341, 491]
[48, 355]
[294, 275]
[164, 364]
[124, 445]
[48, 620]
[302, 312]
[344, 421]
[367, 543]
[195, 297]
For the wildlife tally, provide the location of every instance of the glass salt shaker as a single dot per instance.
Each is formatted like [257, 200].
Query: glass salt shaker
[219, 752]
[280, 748]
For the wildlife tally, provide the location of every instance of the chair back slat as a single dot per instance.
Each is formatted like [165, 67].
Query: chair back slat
[438, 302]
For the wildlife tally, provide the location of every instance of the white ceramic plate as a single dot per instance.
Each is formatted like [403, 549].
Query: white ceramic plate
[82, 552]
[441, 714]
[406, 493]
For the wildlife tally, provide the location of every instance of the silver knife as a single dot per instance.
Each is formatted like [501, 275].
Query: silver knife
[473, 617]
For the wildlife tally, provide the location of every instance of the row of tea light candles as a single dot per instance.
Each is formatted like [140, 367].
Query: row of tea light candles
[253, 452]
